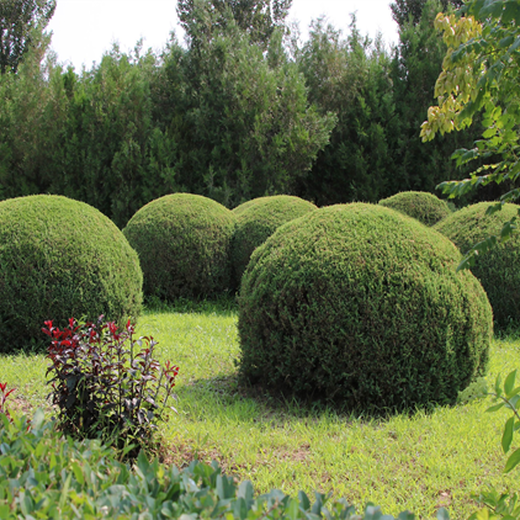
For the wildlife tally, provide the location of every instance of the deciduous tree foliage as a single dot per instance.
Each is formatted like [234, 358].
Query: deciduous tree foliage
[480, 77]
[416, 65]
[21, 21]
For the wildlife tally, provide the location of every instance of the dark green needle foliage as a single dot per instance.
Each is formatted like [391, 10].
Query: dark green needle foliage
[61, 258]
[421, 205]
[183, 242]
[497, 269]
[21, 24]
[257, 220]
[361, 306]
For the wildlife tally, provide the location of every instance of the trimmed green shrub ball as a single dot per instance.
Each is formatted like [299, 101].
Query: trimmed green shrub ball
[421, 205]
[361, 306]
[499, 269]
[257, 220]
[60, 258]
[183, 242]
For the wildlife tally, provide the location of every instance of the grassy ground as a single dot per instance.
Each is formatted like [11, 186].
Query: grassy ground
[418, 462]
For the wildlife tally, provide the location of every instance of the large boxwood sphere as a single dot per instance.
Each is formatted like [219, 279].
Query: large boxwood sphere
[421, 205]
[257, 220]
[60, 258]
[499, 269]
[360, 305]
[183, 241]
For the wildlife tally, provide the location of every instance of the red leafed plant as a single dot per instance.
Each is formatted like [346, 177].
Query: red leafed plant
[102, 386]
[4, 394]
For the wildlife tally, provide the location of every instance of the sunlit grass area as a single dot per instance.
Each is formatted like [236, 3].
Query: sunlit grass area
[418, 462]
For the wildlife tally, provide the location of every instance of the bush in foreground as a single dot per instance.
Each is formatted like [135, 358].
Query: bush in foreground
[499, 268]
[183, 242]
[257, 220]
[43, 475]
[421, 205]
[106, 384]
[361, 306]
[61, 258]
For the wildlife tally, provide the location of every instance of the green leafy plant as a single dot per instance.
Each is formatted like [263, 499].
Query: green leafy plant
[479, 80]
[102, 386]
[496, 269]
[498, 505]
[257, 220]
[43, 475]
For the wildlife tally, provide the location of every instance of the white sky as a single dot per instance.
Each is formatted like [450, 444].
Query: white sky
[84, 29]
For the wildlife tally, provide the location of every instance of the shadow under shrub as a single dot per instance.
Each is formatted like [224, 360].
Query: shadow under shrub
[361, 306]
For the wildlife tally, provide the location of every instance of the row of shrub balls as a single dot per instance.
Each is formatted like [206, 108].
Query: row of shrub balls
[356, 304]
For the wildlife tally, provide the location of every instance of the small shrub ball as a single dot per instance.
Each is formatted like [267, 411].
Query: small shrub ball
[361, 306]
[421, 205]
[183, 242]
[60, 258]
[498, 269]
[257, 220]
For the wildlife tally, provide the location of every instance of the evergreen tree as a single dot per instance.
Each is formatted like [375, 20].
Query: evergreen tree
[21, 22]
[405, 10]
[241, 119]
[350, 78]
[258, 18]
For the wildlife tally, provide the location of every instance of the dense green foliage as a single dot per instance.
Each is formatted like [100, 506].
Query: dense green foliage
[258, 18]
[242, 120]
[239, 112]
[360, 305]
[61, 258]
[21, 25]
[43, 475]
[497, 269]
[257, 220]
[421, 205]
[479, 80]
[183, 242]
[350, 78]
[404, 11]
[89, 137]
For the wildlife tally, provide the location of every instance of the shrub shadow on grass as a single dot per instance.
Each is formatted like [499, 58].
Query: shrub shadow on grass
[224, 305]
[217, 394]
[223, 395]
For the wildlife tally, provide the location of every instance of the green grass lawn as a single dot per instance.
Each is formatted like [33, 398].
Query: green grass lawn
[417, 462]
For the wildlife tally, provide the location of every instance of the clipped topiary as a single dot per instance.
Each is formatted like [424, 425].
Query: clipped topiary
[361, 306]
[498, 269]
[421, 205]
[183, 242]
[60, 258]
[257, 220]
